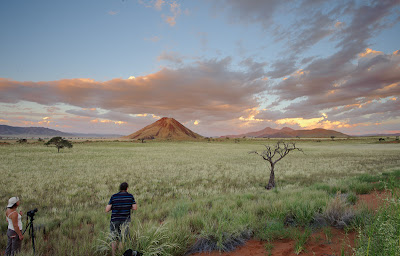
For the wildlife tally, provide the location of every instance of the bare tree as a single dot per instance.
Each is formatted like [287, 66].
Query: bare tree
[146, 138]
[273, 154]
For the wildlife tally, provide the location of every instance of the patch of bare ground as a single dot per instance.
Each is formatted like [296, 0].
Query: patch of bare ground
[373, 200]
[326, 242]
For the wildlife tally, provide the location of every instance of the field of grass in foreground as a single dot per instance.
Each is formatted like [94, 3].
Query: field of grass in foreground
[191, 195]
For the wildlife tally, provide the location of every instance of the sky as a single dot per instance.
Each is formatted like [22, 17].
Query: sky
[220, 67]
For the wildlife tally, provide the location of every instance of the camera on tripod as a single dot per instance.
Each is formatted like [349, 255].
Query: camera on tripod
[31, 213]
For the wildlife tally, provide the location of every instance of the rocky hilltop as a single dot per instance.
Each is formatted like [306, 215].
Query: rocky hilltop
[165, 128]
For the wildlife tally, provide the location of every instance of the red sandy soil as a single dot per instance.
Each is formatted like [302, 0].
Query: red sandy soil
[318, 244]
[373, 200]
[393, 141]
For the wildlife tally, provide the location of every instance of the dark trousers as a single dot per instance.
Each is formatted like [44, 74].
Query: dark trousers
[13, 243]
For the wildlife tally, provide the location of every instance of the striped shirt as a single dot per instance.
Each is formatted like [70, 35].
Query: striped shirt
[121, 205]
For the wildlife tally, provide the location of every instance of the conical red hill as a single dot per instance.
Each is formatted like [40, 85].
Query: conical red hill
[165, 128]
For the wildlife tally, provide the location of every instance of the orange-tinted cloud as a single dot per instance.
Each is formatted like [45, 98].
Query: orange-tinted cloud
[207, 89]
[369, 52]
[107, 121]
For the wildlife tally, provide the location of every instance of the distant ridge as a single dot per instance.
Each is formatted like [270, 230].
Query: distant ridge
[380, 134]
[30, 131]
[287, 132]
[15, 131]
[165, 128]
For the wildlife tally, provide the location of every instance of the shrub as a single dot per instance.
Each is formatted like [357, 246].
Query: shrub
[271, 230]
[382, 235]
[338, 213]
[301, 239]
[148, 239]
[351, 198]
[361, 188]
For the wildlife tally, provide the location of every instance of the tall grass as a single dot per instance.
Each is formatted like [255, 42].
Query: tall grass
[381, 235]
[209, 195]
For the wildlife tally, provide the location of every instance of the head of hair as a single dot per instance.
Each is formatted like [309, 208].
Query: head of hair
[124, 186]
[14, 205]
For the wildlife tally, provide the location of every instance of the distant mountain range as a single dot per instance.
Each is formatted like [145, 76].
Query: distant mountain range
[169, 128]
[6, 130]
[381, 135]
[164, 128]
[287, 132]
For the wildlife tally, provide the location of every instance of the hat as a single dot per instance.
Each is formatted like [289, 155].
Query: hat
[12, 201]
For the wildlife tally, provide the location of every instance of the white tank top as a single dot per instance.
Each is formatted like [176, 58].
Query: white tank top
[10, 224]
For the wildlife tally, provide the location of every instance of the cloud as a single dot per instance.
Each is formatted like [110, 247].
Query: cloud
[256, 69]
[174, 8]
[348, 24]
[339, 86]
[173, 57]
[248, 12]
[112, 13]
[204, 89]
[153, 39]
[203, 36]
[158, 4]
[283, 67]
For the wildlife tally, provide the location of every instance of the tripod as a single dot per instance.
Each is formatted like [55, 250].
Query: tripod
[31, 230]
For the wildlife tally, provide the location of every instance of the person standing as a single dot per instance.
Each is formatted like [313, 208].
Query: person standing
[14, 231]
[121, 204]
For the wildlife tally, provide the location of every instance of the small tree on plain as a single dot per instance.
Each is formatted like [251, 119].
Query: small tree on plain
[21, 141]
[273, 155]
[59, 142]
[333, 137]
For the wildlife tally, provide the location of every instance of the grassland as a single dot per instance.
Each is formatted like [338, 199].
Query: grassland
[191, 195]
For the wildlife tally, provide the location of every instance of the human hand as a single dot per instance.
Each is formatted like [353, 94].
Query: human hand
[20, 213]
[21, 237]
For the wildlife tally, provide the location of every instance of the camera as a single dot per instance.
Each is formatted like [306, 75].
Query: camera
[31, 213]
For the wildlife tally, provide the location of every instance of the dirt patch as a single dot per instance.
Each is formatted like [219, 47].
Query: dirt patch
[373, 200]
[391, 142]
[328, 241]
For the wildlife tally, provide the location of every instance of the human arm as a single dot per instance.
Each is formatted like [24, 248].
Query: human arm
[108, 208]
[134, 207]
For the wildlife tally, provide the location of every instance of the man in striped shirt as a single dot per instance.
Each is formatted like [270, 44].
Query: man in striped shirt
[121, 205]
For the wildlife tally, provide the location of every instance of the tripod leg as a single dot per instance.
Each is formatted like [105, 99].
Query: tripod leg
[33, 238]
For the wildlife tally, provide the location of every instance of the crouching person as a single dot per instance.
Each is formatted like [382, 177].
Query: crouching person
[121, 204]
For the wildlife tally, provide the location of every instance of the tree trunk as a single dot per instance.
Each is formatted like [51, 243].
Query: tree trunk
[58, 149]
[271, 182]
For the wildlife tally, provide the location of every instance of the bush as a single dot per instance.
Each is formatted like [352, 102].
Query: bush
[351, 198]
[382, 235]
[271, 230]
[361, 188]
[148, 239]
[338, 213]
